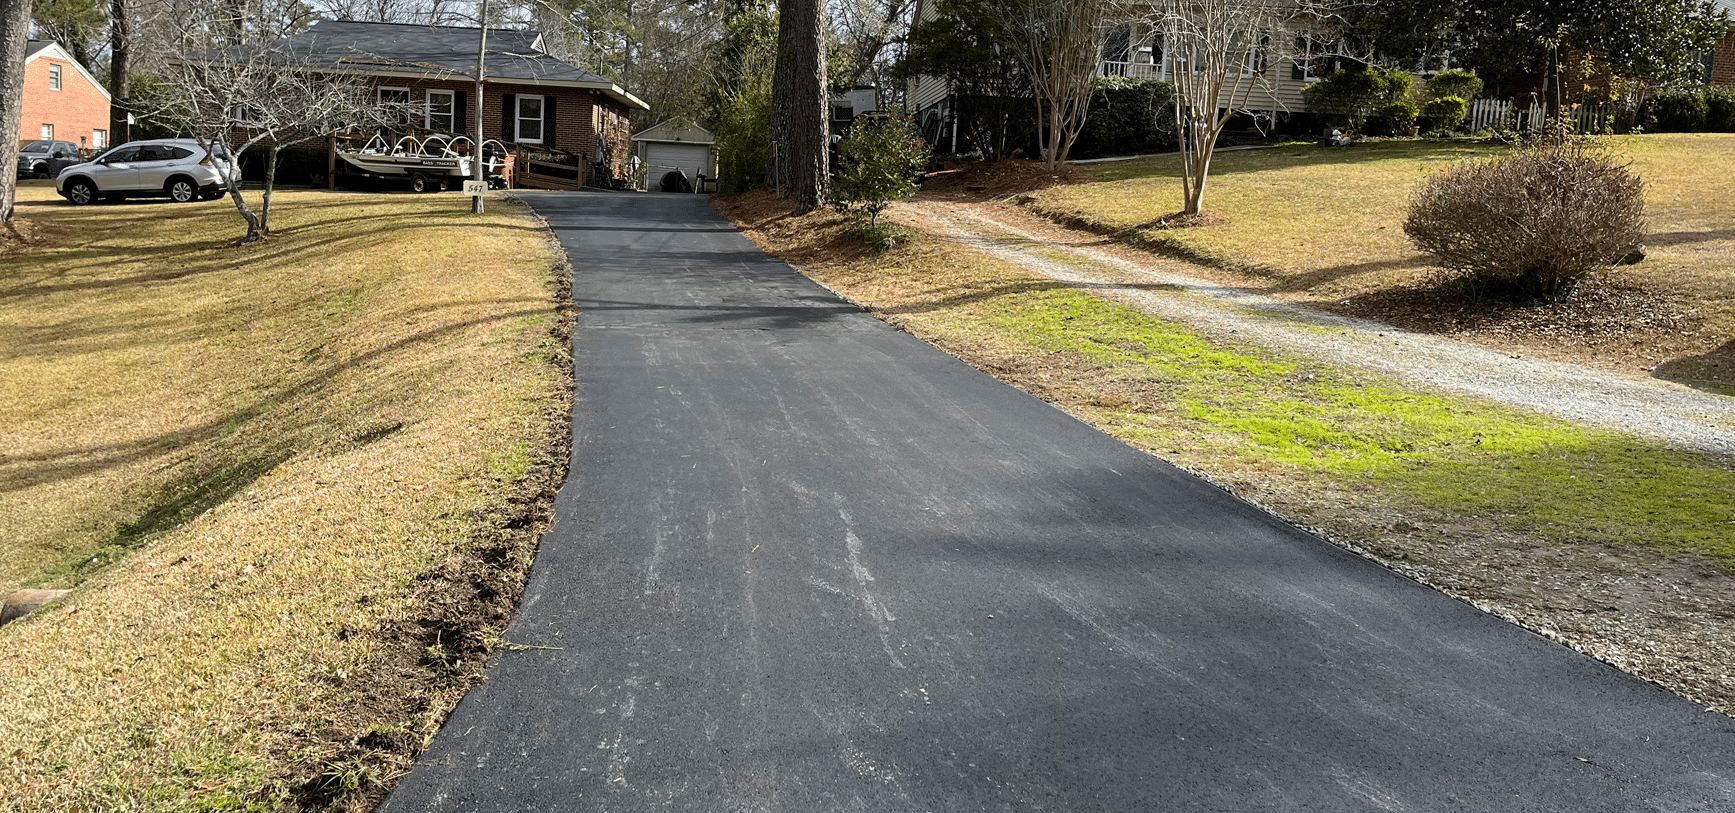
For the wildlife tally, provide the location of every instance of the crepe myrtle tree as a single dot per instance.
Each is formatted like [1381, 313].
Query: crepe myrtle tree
[1222, 52]
[1058, 43]
[263, 99]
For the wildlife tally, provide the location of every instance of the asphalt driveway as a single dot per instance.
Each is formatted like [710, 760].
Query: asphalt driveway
[806, 562]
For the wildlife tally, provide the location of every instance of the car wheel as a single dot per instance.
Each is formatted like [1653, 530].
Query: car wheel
[183, 190]
[419, 182]
[81, 192]
[39, 172]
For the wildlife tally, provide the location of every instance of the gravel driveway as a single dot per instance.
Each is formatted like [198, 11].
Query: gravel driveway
[1655, 409]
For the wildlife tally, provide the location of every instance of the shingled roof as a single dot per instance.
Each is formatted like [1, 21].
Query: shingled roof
[440, 52]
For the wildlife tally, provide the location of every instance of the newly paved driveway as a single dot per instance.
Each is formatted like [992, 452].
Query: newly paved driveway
[805, 562]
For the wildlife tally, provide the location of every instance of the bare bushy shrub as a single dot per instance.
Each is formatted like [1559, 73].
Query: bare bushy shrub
[1530, 224]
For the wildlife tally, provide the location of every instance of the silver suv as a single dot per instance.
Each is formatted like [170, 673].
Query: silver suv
[176, 167]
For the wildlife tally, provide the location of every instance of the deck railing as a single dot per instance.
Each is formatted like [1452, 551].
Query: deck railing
[1131, 70]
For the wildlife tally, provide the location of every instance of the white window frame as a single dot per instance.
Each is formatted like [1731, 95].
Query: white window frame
[1254, 59]
[53, 77]
[48, 132]
[98, 139]
[451, 113]
[1305, 59]
[518, 119]
[404, 108]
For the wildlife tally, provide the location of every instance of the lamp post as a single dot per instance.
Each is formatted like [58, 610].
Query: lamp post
[479, 172]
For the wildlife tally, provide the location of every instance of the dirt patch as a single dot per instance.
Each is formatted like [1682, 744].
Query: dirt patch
[820, 236]
[1606, 323]
[983, 181]
[424, 666]
[1182, 220]
[19, 235]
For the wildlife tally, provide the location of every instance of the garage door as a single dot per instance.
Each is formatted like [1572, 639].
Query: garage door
[662, 158]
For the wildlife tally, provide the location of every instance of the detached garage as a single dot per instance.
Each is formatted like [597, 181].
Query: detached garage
[665, 148]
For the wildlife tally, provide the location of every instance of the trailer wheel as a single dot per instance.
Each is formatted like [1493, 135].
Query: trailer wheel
[420, 183]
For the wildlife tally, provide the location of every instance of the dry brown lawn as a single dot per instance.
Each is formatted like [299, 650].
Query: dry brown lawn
[1325, 226]
[279, 479]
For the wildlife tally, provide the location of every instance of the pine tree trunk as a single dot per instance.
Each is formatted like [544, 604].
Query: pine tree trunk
[782, 92]
[119, 74]
[799, 126]
[14, 32]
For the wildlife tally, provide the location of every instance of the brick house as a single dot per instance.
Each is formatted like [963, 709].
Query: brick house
[62, 101]
[530, 99]
[1720, 63]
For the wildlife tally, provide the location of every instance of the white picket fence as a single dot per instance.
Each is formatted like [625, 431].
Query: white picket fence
[1495, 114]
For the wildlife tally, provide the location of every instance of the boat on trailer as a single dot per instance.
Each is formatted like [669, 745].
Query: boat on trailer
[429, 163]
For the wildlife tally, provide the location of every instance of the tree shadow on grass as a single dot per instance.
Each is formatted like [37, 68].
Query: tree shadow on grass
[1712, 371]
[223, 455]
[992, 292]
[1297, 155]
[1312, 279]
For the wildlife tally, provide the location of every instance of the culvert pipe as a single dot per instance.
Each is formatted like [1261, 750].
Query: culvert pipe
[25, 602]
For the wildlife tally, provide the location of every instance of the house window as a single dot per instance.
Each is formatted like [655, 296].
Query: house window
[1253, 60]
[53, 77]
[396, 103]
[1311, 61]
[98, 139]
[530, 119]
[440, 111]
[48, 131]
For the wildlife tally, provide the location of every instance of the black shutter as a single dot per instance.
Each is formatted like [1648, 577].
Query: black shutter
[509, 117]
[548, 122]
[461, 113]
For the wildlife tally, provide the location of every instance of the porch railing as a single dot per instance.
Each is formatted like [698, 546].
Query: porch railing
[1131, 70]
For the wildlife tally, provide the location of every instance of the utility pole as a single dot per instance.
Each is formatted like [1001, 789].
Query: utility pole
[479, 172]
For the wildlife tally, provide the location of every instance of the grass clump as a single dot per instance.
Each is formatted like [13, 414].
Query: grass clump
[1454, 456]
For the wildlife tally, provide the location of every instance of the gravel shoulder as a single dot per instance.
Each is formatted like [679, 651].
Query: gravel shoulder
[1660, 410]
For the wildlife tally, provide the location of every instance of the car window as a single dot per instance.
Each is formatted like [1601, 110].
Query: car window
[154, 152]
[179, 152]
[36, 146]
[122, 154]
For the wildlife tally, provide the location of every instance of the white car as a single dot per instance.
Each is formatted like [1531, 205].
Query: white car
[176, 167]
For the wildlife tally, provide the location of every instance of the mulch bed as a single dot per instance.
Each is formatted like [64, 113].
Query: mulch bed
[1606, 323]
[988, 181]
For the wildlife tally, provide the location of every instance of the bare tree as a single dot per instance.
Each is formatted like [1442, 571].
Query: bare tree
[1059, 43]
[1223, 53]
[263, 98]
[655, 47]
[419, 12]
[866, 30]
[14, 33]
[76, 24]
